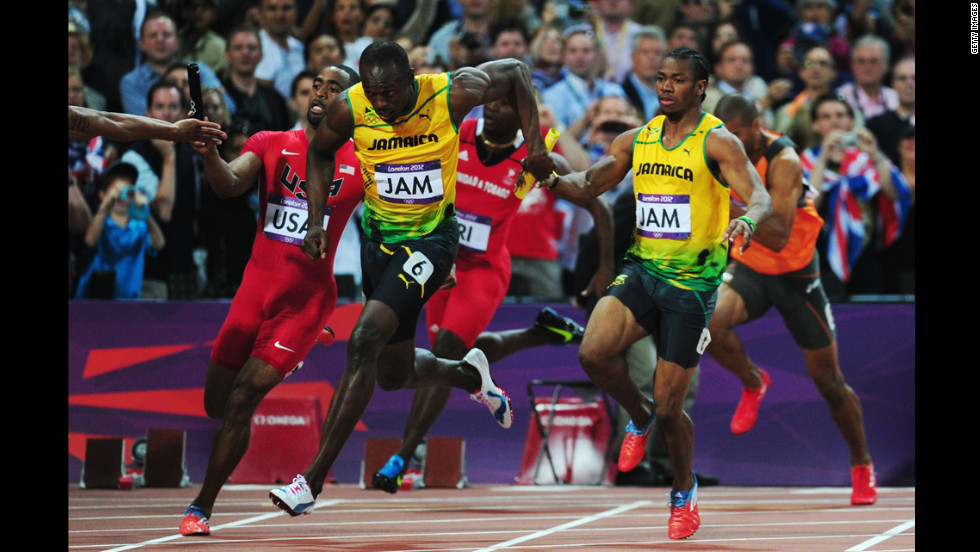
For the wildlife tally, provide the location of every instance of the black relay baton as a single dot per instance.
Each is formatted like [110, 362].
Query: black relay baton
[194, 81]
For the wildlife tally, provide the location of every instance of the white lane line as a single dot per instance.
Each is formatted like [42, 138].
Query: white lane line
[882, 537]
[569, 525]
[246, 521]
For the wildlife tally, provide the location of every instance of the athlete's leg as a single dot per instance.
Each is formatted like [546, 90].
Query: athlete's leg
[610, 330]
[377, 323]
[725, 346]
[250, 385]
[845, 407]
[670, 387]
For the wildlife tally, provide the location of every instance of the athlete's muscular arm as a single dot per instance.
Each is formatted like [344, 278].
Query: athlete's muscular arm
[504, 79]
[726, 149]
[785, 183]
[604, 174]
[602, 219]
[85, 123]
[229, 179]
[320, 163]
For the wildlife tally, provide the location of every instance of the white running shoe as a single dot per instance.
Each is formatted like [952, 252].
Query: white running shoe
[489, 394]
[296, 499]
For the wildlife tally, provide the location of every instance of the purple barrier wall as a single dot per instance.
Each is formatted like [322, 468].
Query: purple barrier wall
[139, 365]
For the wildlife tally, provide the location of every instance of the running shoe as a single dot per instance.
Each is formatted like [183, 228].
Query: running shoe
[748, 407]
[296, 499]
[489, 394]
[634, 444]
[195, 523]
[327, 336]
[563, 329]
[389, 477]
[863, 484]
[684, 517]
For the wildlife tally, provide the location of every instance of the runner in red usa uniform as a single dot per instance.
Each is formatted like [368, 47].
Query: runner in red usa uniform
[285, 298]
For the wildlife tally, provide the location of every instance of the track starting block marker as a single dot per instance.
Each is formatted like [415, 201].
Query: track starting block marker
[104, 463]
[443, 464]
[284, 440]
[166, 465]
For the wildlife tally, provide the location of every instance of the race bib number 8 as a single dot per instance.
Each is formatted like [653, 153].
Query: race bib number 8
[409, 183]
[663, 216]
[286, 219]
[474, 231]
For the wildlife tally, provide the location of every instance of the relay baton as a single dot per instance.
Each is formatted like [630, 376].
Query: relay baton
[549, 142]
[194, 81]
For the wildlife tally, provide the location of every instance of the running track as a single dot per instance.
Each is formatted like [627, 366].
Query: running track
[495, 518]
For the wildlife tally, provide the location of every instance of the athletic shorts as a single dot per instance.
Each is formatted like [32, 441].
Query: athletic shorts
[405, 275]
[676, 318]
[466, 310]
[798, 296]
[274, 320]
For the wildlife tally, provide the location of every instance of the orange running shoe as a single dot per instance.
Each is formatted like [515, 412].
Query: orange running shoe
[863, 484]
[684, 517]
[634, 444]
[195, 523]
[748, 407]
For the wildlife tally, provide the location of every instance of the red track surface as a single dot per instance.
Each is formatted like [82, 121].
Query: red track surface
[485, 518]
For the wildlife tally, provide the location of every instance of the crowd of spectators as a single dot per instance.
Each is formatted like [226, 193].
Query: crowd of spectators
[836, 76]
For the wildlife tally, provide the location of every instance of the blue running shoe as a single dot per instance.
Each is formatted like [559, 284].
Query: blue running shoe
[389, 477]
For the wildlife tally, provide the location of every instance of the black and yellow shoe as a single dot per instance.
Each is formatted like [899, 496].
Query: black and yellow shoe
[563, 329]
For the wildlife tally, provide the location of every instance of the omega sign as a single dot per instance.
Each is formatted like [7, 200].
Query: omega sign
[270, 420]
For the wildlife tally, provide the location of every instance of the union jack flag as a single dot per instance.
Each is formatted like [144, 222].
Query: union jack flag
[857, 183]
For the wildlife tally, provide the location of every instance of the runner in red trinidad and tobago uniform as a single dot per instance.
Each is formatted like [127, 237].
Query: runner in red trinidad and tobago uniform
[490, 154]
[285, 299]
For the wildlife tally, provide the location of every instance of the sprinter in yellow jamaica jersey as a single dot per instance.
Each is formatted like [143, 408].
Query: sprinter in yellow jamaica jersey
[405, 129]
[685, 166]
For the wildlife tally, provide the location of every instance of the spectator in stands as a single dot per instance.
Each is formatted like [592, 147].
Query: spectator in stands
[226, 226]
[112, 31]
[282, 52]
[509, 39]
[862, 197]
[167, 174]
[257, 103]
[324, 50]
[763, 25]
[547, 51]
[867, 94]
[121, 234]
[660, 13]
[815, 26]
[898, 261]
[79, 217]
[615, 29]
[379, 21]
[158, 43]
[197, 41]
[476, 19]
[793, 118]
[177, 74]
[684, 34]
[299, 98]
[734, 72]
[79, 58]
[581, 83]
[888, 126]
[640, 84]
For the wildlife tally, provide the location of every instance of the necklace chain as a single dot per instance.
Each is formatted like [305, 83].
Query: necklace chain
[494, 145]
